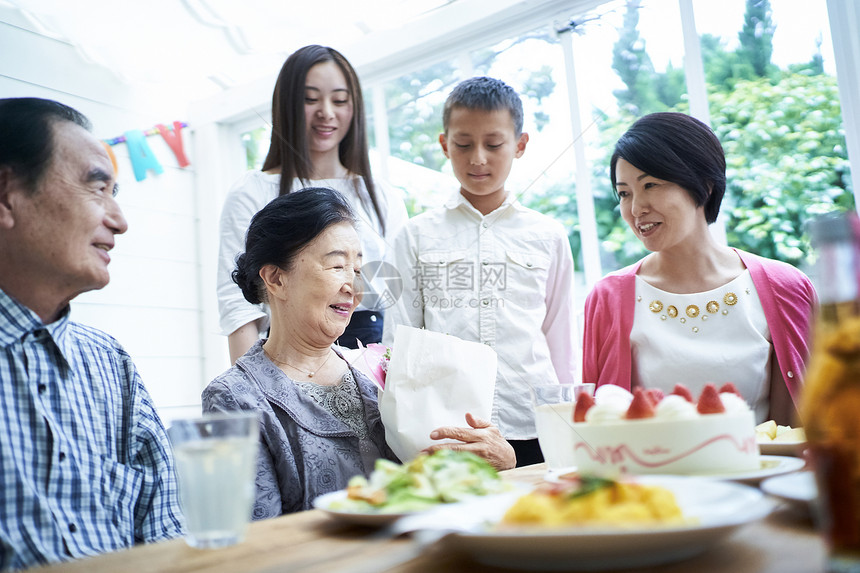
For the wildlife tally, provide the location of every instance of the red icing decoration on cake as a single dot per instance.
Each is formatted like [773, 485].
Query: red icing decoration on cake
[618, 454]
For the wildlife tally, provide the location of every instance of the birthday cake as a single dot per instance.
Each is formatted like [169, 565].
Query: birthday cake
[617, 432]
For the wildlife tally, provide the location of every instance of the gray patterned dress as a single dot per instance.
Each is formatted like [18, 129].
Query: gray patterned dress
[312, 438]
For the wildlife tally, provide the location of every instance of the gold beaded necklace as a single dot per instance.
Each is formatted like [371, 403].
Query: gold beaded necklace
[730, 299]
[712, 307]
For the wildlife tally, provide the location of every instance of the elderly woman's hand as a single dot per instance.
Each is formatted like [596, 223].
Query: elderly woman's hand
[482, 438]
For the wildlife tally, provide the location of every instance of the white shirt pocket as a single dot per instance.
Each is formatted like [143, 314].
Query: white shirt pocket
[445, 278]
[528, 273]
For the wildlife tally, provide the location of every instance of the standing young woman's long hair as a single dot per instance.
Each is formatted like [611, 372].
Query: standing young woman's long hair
[288, 149]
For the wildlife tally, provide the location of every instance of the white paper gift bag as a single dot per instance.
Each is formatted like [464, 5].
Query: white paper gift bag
[433, 380]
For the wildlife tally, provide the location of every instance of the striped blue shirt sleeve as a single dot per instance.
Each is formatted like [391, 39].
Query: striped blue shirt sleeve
[85, 465]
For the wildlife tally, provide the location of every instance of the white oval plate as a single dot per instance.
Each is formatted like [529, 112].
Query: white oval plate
[717, 506]
[798, 488]
[770, 466]
[378, 519]
[374, 519]
[782, 448]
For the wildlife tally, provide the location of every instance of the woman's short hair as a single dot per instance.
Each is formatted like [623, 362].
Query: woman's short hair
[678, 148]
[281, 229]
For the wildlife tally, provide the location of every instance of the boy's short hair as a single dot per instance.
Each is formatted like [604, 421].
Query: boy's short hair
[487, 94]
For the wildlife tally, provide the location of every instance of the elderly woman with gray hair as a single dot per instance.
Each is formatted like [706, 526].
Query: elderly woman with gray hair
[320, 423]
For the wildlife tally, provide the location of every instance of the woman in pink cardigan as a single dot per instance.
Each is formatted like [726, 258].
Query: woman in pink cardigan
[693, 311]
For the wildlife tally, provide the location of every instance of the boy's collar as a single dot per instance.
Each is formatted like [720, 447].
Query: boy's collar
[458, 199]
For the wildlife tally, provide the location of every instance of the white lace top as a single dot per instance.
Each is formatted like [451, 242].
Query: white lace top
[343, 401]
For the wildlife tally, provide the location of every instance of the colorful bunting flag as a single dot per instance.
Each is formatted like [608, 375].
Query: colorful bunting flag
[174, 140]
[141, 155]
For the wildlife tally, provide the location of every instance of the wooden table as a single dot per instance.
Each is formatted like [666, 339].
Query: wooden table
[311, 541]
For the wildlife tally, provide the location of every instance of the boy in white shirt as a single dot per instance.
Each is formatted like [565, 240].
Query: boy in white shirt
[487, 269]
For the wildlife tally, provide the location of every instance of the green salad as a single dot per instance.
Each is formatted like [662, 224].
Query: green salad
[445, 476]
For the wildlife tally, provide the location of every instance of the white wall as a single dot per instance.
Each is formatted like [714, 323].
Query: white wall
[152, 304]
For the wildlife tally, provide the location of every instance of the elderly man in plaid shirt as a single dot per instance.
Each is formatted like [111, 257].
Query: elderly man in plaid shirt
[85, 466]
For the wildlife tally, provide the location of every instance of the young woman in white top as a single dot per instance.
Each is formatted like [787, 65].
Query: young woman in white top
[318, 139]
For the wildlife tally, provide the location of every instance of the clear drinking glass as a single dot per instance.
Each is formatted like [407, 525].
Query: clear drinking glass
[585, 387]
[216, 456]
[553, 407]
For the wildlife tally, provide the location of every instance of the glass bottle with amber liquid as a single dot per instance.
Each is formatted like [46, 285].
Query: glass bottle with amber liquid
[830, 407]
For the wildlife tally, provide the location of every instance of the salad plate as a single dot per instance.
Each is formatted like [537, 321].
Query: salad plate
[329, 503]
[394, 490]
[714, 508]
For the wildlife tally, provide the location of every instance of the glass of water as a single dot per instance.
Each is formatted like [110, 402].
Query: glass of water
[216, 458]
[553, 406]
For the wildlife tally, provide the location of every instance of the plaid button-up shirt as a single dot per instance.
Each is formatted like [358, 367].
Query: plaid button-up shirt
[85, 466]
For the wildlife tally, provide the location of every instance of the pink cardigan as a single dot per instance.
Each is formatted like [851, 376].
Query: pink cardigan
[787, 297]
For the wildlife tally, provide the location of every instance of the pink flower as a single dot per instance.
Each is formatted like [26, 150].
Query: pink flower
[373, 360]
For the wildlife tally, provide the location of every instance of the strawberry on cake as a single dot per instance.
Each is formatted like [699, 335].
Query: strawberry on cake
[617, 432]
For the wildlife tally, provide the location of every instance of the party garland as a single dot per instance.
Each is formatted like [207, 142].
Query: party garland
[141, 155]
